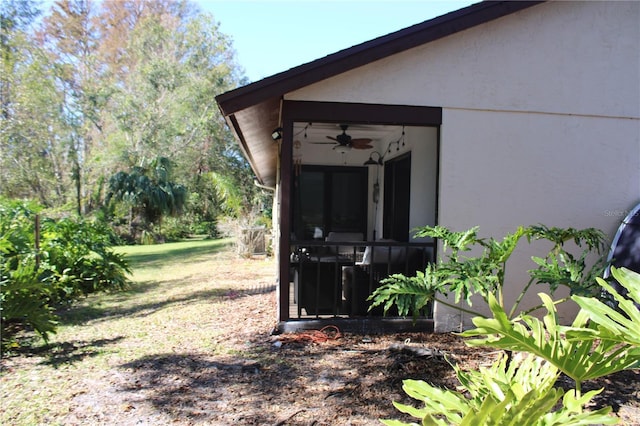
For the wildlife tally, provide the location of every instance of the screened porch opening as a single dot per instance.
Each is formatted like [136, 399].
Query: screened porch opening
[357, 180]
[333, 279]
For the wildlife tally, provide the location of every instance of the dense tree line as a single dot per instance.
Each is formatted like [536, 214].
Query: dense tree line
[95, 93]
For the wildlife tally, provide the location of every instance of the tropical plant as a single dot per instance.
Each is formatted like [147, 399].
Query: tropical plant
[148, 192]
[24, 299]
[520, 390]
[70, 259]
[484, 274]
[622, 321]
[594, 345]
[76, 255]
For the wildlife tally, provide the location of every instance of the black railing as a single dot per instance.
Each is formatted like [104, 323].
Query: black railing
[334, 279]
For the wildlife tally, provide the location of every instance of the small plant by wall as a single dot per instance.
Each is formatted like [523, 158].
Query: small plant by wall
[465, 276]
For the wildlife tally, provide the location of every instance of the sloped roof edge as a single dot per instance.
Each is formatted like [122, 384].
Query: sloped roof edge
[367, 52]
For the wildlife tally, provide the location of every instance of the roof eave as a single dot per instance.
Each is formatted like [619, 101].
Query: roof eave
[252, 111]
[362, 54]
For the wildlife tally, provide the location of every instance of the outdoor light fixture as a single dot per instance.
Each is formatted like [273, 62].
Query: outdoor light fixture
[276, 134]
[372, 162]
[397, 143]
[378, 162]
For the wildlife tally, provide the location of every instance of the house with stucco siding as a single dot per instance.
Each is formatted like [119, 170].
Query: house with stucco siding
[497, 115]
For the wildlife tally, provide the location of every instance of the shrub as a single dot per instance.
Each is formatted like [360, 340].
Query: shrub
[74, 259]
[520, 392]
[484, 274]
[519, 387]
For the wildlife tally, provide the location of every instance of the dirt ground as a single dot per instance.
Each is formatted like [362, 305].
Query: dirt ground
[292, 380]
[248, 376]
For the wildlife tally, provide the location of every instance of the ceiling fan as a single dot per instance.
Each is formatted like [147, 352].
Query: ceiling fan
[346, 141]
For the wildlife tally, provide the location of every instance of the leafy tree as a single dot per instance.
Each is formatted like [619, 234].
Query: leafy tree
[117, 21]
[166, 106]
[102, 86]
[70, 37]
[32, 139]
[15, 18]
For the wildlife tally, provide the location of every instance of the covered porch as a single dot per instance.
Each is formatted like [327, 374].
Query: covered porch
[346, 213]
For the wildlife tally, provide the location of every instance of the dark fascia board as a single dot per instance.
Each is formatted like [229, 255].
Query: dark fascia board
[365, 53]
[338, 112]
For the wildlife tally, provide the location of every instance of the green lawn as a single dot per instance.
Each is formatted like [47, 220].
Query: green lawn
[176, 295]
[151, 256]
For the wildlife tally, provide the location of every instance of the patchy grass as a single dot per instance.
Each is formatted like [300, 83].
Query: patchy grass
[171, 307]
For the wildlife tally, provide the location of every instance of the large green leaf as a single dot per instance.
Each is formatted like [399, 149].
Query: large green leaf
[446, 404]
[573, 412]
[516, 393]
[621, 325]
[579, 359]
[409, 294]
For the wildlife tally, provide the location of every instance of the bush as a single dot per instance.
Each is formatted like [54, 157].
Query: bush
[484, 274]
[74, 259]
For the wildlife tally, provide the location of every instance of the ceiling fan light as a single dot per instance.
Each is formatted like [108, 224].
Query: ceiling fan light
[343, 149]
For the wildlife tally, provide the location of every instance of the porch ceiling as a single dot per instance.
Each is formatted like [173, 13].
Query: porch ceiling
[253, 128]
[314, 135]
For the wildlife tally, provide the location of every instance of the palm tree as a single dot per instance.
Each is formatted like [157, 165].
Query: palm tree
[148, 192]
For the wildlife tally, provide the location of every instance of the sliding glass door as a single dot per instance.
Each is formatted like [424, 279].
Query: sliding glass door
[329, 199]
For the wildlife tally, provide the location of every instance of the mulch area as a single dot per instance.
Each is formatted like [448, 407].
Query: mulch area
[308, 379]
[300, 379]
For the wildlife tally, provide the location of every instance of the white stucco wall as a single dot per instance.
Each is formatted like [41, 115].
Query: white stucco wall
[564, 171]
[423, 143]
[541, 119]
[565, 57]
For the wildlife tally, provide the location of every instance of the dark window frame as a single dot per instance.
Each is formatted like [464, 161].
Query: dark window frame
[396, 220]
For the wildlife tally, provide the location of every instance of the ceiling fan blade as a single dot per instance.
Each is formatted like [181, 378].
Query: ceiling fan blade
[322, 143]
[333, 139]
[362, 143]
